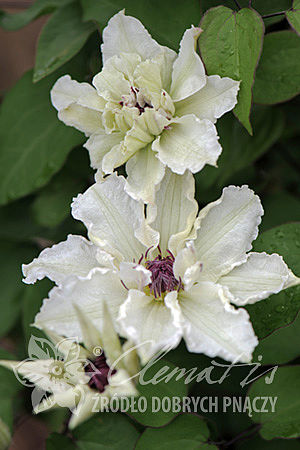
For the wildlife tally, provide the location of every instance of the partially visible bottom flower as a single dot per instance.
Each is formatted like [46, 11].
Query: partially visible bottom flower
[84, 376]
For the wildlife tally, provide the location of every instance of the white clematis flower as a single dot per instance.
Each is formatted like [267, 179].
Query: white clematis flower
[170, 276]
[149, 106]
[78, 377]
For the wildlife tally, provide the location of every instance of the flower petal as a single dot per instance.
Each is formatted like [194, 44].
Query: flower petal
[150, 323]
[112, 217]
[100, 144]
[148, 78]
[126, 34]
[165, 60]
[66, 91]
[145, 172]
[84, 408]
[75, 256]
[111, 342]
[83, 119]
[57, 312]
[39, 373]
[64, 399]
[188, 143]
[90, 334]
[213, 327]
[114, 158]
[120, 385]
[78, 104]
[217, 97]
[174, 211]
[134, 275]
[188, 70]
[227, 228]
[149, 124]
[257, 278]
[184, 259]
[186, 267]
[110, 83]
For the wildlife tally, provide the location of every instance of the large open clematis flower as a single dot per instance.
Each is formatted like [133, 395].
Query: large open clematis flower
[149, 106]
[168, 276]
[78, 377]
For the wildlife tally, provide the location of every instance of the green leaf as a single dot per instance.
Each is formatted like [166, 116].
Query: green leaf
[187, 431]
[284, 422]
[279, 309]
[284, 240]
[52, 204]
[293, 16]
[166, 21]
[230, 45]
[278, 74]
[111, 431]
[239, 148]
[5, 436]
[57, 441]
[264, 7]
[171, 388]
[279, 208]
[281, 346]
[9, 386]
[61, 38]
[12, 228]
[257, 443]
[32, 301]
[13, 22]
[12, 288]
[34, 143]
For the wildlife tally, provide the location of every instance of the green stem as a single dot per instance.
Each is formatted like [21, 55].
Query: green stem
[280, 13]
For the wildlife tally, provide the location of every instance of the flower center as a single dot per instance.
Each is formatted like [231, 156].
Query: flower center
[56, 370]
[99, 371]
[135, 100]
[163, 278]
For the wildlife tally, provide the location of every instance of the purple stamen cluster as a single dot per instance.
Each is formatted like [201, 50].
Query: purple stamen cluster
[163, 278]
[98, 370]
[138, 104]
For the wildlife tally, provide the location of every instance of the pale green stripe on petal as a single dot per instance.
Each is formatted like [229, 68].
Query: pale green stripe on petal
[145, 172]
[174, 211]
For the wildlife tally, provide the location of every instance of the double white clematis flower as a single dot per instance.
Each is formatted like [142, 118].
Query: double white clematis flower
[149, 106]
[168, 276]
[83, 377]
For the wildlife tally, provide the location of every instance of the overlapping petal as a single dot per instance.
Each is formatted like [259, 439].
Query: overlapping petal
[188, 143]
[78, 105]
[75, 256]
[257, 278]
[99, 144]
[111, 217]
[126, 34]
[153, 324]
[188, 70]
[174, 211]
[213, 327]
[218, 96]
[101, 285]
[227, 228]
[66, 91]
[145, 172]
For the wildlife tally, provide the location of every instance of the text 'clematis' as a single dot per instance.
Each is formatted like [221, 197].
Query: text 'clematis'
[166, 276]
[149, 106]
